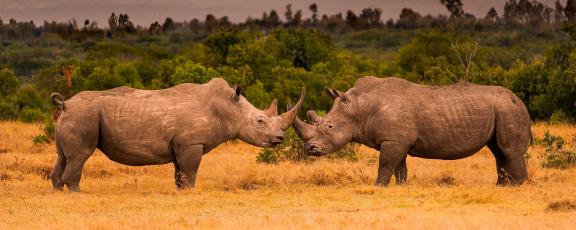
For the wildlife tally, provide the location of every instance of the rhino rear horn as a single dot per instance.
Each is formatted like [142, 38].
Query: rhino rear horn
[288, 117]
[312, 116]
[272, 109]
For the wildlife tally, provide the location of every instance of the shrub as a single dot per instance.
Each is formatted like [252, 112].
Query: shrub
[9, 83]
[47, 135]
[559, 117]
[292, 149]
[267, 155]
[30, 115]
[8, 111]
[349, 152]
[555, 155]
[190, 72]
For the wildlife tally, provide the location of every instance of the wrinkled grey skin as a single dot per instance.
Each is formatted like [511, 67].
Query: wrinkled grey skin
[400, 118]
[149, 127]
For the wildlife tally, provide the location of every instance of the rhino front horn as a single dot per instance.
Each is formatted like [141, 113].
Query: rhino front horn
[303, 129]
[288, 117]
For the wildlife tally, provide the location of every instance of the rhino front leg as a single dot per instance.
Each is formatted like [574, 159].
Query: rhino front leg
[391, 155]
[401, 172]
[187, 162]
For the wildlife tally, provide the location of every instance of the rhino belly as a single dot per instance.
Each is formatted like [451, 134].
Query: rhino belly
[135, 135]
[454, 131]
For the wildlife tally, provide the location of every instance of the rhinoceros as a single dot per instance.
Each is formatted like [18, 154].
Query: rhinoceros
[148, 127]
[400, 118]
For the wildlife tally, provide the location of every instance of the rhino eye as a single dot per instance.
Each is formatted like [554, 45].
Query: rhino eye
[260, 121]
[329, 126]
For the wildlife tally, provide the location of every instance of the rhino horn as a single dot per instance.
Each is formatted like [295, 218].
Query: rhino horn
[303, 129]
[312, 116]
[288, 117]
[272, 109]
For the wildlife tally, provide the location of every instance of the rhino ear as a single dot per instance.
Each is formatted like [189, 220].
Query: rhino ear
[331, 93]
[337, 94]
[237, 92]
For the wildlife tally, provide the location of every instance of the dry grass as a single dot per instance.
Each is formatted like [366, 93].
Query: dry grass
[234, 191]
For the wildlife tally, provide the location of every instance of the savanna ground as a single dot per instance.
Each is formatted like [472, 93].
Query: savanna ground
[233, 191]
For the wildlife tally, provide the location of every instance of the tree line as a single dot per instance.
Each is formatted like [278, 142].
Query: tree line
[528, 48]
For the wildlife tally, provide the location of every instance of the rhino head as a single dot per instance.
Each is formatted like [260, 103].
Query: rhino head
[324, 135]
[264, 128]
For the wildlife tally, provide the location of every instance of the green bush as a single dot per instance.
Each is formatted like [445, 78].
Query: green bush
[559, 117]
[47, 135]
[190, 72]
[556, 155]
[267, 155]
[8, 111]
[349, 152]
[292, 150]
[31, 115]
[9, 83]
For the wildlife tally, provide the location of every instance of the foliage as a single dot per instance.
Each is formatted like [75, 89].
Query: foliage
[557, 154]
[31, 115]
[267, 155]
[523, 49]
[47, 135]
[349, 152]
[8, 111]
[292, 150]
[9, 83]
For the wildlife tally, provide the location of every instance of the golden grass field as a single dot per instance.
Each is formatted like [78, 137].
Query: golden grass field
[233, 191]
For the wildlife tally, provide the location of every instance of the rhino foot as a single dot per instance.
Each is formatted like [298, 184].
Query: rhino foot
[58, 188]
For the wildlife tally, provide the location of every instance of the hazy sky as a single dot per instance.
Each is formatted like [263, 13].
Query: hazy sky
[144, 12]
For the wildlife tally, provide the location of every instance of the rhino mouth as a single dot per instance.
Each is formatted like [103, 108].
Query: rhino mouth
[276, 140]
[314, 150]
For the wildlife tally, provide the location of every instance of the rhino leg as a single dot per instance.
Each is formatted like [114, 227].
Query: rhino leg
[401, 172]
[178, 176]
[512, 130]
[74, 164]
[391, 155]
[58, 170]
[503, 178]
[188, 159]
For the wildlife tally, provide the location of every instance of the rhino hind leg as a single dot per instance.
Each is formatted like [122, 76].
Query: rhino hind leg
[401, 172]
[503, 177]
[76, 156]
[391, 155]
[188, 161]
[512, 136]
[178, 176]
[56, 175]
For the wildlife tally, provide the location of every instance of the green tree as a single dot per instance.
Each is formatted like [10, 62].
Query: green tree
[9, 83]
[303, 48]
[190, 72]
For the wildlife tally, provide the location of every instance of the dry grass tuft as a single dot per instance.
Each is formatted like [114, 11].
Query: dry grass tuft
[234, 191]
[564, 205]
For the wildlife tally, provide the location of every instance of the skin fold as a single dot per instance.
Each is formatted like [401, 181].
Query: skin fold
[149, 127]
[400, 118]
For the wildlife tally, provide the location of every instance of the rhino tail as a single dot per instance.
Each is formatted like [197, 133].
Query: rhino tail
[58, 101]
